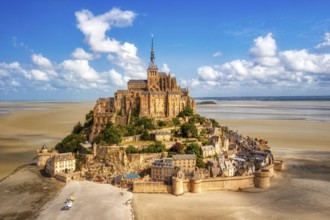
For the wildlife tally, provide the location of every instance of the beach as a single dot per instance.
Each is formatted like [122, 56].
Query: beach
[300, 192]
[26, 126]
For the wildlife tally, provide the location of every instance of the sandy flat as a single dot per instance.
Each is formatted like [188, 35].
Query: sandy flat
[24, 131]
[23, 193]
[92, 201]
[296, 134]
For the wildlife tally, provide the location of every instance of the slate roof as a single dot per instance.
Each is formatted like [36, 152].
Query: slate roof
[184, 156]
[137, 81]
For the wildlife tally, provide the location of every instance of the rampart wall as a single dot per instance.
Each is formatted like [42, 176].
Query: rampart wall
[210, 184]
[151, 187]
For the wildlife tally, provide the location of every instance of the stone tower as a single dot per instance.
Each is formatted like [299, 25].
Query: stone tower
[153, 75]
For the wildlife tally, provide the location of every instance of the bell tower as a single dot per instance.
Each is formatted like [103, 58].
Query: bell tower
[153, 78]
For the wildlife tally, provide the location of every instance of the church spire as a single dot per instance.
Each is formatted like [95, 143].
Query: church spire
[152, 63]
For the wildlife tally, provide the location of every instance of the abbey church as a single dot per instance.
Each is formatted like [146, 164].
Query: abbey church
[159, 96]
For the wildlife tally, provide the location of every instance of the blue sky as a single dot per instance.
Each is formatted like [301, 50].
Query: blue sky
[82, 50]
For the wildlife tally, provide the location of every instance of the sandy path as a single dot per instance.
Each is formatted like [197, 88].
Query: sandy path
[92, 201]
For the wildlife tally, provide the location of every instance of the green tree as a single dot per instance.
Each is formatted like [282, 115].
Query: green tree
[112, 135]
[194, 148]
[214, 122]
[189, 130]
[146, 136]
[131, 150]
[187, 111]
[157, 147]
[146, 123]
[70, 143]
[161, 123]
[77, 128]
[177, 148]
[175, 121]
[200, 163]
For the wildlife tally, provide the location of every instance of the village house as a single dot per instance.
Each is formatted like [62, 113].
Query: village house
[162, 170]
[215, 140]
[208, 150]
[163, 136]
[227, 168]
[186, 162]
[61, 163]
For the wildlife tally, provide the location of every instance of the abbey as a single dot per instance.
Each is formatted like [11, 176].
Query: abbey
[159, 96]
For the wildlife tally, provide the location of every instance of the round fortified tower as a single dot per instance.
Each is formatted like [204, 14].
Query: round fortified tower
[196, 185]
[279, 165]
[177, 186]
[262, 178]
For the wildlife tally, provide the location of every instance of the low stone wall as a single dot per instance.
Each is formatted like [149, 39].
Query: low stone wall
[131, 138]
[67, 177]
[151, 187]
[139, 158]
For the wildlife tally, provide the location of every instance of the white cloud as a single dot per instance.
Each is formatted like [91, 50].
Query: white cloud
[38, 75]
[267, 67]
[41, 61]
[79, 69]
[264, 46]
[127, 59]
[207, 73]
[95, 28]
[217, 54]
[81, 54]
[116, 78]
[165, 68]
[325, 43]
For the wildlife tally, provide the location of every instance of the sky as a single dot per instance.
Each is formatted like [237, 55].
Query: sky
[82, 50]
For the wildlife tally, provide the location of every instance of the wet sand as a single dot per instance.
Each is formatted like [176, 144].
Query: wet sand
[24, 131]
[23, 193]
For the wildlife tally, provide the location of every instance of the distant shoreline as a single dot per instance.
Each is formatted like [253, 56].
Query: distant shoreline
[220, 98]
[267, 98]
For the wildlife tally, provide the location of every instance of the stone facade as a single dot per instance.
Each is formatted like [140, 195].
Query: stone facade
[186, 162]
[61, 163]
[158, 96]
[162, 170]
